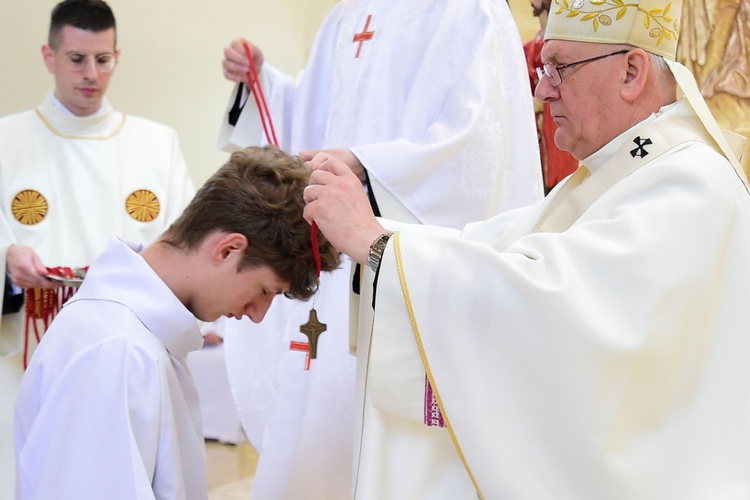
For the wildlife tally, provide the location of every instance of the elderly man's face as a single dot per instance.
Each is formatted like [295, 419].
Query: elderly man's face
[583, 106]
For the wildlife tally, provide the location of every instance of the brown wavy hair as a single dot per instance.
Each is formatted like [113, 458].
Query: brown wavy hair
[258, 193]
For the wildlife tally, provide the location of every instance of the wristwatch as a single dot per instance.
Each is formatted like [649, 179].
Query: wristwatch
[376, 250]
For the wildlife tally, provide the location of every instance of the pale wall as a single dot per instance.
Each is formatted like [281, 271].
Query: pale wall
[528, 25]
[170, 67]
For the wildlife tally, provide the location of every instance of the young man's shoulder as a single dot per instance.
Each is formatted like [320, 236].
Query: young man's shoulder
[88, 326]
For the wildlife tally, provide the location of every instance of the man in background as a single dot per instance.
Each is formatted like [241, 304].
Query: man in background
[73, 173]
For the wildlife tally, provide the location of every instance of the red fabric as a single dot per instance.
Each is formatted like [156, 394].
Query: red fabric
[44, 304]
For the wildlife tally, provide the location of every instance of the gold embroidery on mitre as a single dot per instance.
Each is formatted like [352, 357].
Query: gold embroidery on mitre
[142, 205]
[652, 25]
[29, 207]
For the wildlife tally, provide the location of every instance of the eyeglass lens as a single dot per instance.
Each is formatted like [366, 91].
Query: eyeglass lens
[104, 62]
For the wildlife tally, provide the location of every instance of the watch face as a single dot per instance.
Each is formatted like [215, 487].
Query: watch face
[376, 251]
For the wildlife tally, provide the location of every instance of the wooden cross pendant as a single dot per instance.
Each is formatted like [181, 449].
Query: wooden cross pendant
[312, 330]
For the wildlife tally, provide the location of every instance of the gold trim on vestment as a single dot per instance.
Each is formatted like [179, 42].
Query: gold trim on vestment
[418, 337]
[67, 136]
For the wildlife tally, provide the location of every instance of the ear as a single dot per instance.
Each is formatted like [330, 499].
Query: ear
[49, 58]
[117, 57]
[228, 246]
[636, 75]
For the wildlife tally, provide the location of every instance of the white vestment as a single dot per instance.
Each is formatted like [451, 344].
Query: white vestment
[107, 408]
[80, 173]
[607, 360]
[436, 106]
[218, 410]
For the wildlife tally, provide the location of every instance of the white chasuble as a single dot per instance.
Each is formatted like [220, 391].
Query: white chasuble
[608, 360]
[68, 185]
[432, 97]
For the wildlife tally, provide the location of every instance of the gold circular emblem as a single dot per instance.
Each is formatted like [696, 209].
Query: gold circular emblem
[29, 207]
[142, 205]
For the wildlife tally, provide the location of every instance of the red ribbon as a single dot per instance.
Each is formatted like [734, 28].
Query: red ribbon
[260, 99]
[265, 117]
[316, 251]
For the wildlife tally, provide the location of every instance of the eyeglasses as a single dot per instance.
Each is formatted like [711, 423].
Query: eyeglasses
[553, 72]
[104, 63]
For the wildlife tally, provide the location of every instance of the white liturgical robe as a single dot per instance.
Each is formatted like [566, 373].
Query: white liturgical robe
[606, 358]
[435, 104]
[107, 408]
[69, 184]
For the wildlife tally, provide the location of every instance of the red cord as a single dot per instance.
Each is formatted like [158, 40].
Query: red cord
[260, 99]
[316, 251]
[265, 117]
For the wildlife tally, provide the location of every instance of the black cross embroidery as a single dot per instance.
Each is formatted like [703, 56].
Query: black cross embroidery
[641, 149]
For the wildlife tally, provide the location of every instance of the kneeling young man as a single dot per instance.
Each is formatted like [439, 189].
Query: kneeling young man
[107, 407]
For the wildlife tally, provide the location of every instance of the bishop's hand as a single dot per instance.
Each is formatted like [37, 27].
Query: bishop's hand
[344, 155]
[338, 204]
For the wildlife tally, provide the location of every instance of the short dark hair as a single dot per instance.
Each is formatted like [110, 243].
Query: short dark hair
[259, 193]
[89, 15]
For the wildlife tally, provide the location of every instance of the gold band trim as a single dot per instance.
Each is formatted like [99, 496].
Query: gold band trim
[68, 136]
[415, 327]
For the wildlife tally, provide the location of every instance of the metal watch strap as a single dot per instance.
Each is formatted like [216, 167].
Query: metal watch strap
[376, 251]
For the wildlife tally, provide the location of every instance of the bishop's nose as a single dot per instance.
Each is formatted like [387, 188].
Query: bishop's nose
[545, 91]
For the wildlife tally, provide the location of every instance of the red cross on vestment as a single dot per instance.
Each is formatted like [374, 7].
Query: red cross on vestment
[364, 36]
[304, 347]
